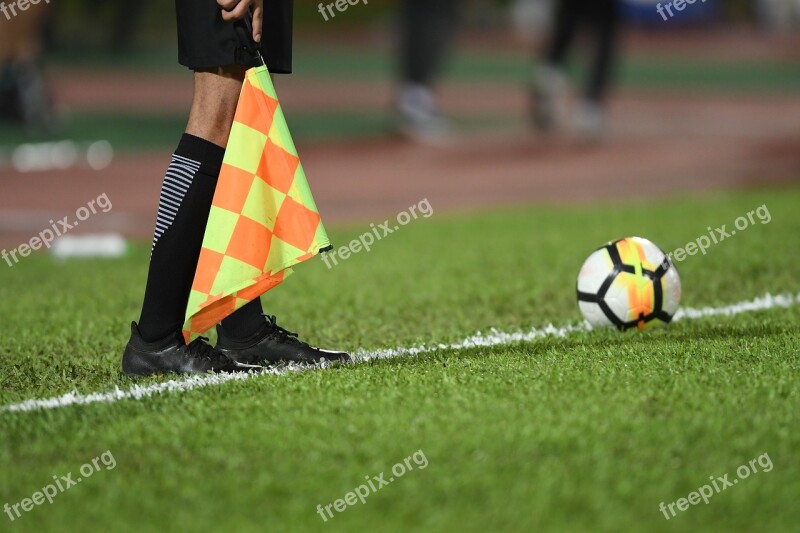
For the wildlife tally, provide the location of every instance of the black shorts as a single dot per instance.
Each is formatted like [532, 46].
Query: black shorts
[206, 41]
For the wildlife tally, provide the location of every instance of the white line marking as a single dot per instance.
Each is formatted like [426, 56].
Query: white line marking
[767, 301]
[479, 340]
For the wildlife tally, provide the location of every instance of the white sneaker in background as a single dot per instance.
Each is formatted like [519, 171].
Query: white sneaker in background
[418, 117]
[589, 121]
[549, 99]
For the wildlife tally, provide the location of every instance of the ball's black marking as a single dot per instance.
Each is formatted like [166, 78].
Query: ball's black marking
[588, 297]
[658, 312]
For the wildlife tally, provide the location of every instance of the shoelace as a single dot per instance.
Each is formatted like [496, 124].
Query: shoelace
[281, 334]
[201, 349]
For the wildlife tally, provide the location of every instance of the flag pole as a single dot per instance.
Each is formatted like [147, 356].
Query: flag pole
[248, 22]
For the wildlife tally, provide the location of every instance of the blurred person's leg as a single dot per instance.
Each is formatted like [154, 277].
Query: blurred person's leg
[565, 27]
[21, 35]
[603, 18]
[24, 93]
[549, 94]
[428, 28]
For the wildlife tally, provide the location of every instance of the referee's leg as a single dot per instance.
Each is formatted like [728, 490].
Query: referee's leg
[216, 93]
[185, 202]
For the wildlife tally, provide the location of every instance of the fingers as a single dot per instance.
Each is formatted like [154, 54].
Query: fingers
[258, 17]
[227, 5]
[234, 9]
[237, 10]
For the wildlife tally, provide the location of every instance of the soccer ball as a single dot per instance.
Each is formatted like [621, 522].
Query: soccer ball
[628, 283]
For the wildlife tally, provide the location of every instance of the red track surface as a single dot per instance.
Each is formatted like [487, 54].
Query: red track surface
[660, 144]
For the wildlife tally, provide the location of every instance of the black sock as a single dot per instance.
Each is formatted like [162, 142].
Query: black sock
[245, 322]
[183, 208]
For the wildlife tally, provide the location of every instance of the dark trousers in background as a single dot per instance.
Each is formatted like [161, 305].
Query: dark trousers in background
[602, 17]
[428, 28]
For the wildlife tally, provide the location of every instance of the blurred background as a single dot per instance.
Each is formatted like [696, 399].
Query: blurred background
[468, 104]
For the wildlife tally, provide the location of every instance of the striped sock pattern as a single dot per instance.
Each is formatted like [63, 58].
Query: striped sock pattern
[177, 181]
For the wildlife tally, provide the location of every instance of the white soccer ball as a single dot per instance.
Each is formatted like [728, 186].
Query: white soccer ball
[628, 283]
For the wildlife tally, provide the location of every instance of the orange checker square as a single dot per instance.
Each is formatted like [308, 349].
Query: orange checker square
[250, 243]
[277, 167]
[255, 110]
[260, 285]
[296, 224]
[207, 268]
[234, 185]
[211, 313]
[216, 306]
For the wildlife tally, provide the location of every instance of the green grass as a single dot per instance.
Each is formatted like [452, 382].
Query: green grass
[148, 131]
[129, 131]
[584, 433]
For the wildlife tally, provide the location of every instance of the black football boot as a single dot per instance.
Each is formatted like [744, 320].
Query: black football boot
[172, 355]
[272, 345]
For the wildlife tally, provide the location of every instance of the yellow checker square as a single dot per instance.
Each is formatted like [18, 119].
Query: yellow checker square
[281, 254]
[224, 223]
[248, 142]
[232, 275]
[279, 133]
[263, 204]
[259, 78]
[300, 191]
